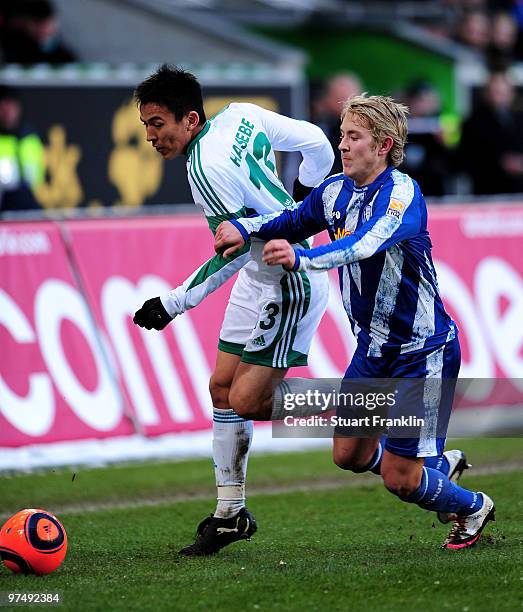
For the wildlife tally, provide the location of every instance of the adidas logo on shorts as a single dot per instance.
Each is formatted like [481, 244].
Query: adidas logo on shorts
[259, 341]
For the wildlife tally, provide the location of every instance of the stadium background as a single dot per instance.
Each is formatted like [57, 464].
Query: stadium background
[74, 366]
[79, 384]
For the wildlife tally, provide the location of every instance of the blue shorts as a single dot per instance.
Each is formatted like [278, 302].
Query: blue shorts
[442, 362]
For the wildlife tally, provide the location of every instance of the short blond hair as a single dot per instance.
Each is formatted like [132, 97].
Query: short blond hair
[384, 117]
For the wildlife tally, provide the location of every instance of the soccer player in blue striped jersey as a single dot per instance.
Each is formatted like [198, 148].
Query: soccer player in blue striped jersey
[376, 217]
[272, 314]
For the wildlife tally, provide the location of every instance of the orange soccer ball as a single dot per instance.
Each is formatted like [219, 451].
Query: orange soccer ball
[33, 541]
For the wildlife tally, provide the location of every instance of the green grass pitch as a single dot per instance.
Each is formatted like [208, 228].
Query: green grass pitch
[327, 540]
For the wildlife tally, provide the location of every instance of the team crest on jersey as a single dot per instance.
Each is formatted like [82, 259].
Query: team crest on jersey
[341, 233]
[367, 212]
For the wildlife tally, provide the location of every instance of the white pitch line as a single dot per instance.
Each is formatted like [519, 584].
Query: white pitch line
[323, 485]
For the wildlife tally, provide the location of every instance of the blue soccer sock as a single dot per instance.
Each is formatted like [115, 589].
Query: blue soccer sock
[439, 463]
[436, 492]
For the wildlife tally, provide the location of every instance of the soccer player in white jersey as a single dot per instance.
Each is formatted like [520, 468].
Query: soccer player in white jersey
[377, 220]
[272, 313]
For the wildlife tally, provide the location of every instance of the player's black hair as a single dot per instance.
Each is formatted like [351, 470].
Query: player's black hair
[174, 88]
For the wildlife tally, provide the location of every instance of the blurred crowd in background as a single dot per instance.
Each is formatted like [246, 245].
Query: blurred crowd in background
[489, 152]
[30, 34]
[486, 156]
[491, 28]
[30, 31]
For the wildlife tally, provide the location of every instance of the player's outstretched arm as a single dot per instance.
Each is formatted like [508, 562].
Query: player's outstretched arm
[393, 220]
[206, 279]
[295, 224]
[158, 312]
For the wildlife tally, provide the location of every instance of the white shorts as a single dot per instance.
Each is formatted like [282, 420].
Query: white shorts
[272, 314]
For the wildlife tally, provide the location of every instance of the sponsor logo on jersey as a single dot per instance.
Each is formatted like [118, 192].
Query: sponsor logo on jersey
[341, 233]
[396, 204]
[393, 213]
[396, 207]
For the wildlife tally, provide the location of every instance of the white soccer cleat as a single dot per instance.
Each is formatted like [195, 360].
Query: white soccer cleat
[467, 529]
[457, 465]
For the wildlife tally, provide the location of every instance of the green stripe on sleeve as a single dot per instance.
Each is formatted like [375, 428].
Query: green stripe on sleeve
[212, 194]
[214, 266]
[201, 187]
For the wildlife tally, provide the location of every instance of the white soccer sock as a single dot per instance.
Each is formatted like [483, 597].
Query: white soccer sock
[232, 437]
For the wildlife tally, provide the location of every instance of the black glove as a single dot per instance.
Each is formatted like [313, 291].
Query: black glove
[152, 315]
[299, 191]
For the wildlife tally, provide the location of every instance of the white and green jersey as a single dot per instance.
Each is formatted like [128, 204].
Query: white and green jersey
[232, 172]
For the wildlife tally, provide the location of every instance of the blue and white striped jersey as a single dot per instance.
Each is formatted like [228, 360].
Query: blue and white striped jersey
[383, 251]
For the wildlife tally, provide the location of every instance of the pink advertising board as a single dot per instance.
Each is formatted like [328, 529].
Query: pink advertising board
[54, 381]
[73, 366]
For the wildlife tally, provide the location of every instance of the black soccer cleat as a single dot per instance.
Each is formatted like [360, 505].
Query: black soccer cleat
[213, 534]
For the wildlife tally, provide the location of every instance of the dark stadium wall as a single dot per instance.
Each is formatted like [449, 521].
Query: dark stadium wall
[103, 159]
[384, 63]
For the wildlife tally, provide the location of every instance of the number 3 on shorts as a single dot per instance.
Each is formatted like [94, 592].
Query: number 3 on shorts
[272, 313]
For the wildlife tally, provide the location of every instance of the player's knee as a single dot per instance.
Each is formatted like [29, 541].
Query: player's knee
[241, 403]
[246, 405]
[349, 460]
[400, 484]
[219, 393]
[244, 408]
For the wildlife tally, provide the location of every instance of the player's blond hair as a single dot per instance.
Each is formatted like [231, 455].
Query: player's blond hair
[384, 117]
